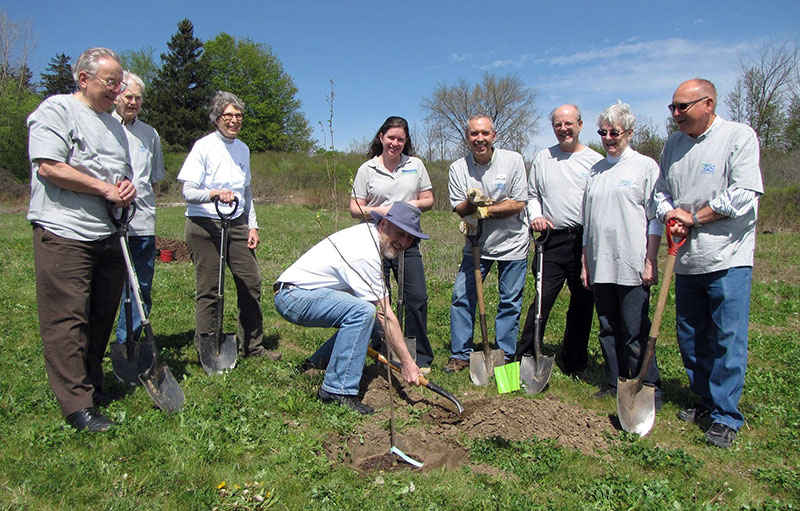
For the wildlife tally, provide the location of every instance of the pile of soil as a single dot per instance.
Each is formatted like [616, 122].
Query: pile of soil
[181, 251]
[435, 438]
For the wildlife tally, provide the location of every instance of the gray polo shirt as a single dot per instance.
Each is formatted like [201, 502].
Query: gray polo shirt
[502, 239]
[64, 129]
[379, 187]
[696, 170]
[557, 183]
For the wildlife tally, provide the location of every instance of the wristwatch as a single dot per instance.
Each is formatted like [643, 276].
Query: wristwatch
[696, 221]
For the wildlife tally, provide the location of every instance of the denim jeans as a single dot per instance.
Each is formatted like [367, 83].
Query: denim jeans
[713, 311]
[346, 349]
[143, 254]
[511, 279]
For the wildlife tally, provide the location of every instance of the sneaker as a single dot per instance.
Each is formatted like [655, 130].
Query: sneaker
[606, 392]
[351, 402]
[425, 371]
[720, 435]
[455, 364]
[696, 414]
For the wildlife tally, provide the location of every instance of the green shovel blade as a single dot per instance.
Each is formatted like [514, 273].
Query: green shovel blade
[507, 377]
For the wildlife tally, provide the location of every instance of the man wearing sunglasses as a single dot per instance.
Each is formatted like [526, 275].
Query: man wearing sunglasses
[709, 184]
[555, 200]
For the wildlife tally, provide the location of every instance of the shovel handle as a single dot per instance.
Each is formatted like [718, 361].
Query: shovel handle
[226, 217]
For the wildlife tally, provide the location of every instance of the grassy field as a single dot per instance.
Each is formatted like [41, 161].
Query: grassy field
[255, 438]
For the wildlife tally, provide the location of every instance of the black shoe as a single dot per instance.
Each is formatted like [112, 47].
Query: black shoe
[90, 419]
[101, 398]
[721, 435]
[696, 414]
[259, 351]
[577, 375]
[606, 392]
[659, 402]
[351, 402]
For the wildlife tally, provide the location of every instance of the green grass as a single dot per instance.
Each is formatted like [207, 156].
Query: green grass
[260, 430]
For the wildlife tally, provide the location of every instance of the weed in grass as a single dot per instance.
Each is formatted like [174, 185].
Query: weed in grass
[780, 479]
[531, 460]
[652, 458]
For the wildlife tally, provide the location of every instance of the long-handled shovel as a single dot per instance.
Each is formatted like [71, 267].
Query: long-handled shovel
[157, 379]
[534, 371]
[218, 350]
[411, 342]
[482, 364]
[135, 356]
[635, 398]
[422, 380]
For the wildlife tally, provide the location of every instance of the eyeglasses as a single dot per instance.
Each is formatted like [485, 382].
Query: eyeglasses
[113, 84]
[228, 117]
[682, 107]
[612, 133]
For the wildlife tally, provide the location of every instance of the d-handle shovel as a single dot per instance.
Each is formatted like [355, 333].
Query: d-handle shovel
[135, 356]
[411, 342]
[156, 379]
[482, 364]
[636, 399]
[218, 351]
[535, 370]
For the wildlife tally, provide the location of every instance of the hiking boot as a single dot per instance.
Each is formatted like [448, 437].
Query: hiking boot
[696, 414]
[351, 402]
[720, 435]
[259, 351]
[455, 364]
[606, 392]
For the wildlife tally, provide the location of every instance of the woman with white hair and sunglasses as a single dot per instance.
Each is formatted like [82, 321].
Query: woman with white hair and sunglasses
[620, 247]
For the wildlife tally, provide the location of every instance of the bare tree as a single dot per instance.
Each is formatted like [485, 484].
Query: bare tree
[646, 139]
[505, 99]
[763, 92]
[16, 41]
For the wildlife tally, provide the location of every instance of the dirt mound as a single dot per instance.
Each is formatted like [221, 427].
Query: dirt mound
[429, 430]
[181, 251]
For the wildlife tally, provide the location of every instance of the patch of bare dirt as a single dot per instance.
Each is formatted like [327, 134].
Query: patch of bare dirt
[181, 251]
[429, 430]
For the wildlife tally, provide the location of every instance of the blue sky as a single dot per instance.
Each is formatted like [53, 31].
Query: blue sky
[385, 57]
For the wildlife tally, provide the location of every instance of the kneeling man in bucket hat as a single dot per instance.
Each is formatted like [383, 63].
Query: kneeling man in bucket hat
[339, 283]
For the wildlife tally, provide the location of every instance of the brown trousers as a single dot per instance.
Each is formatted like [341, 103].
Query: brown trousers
[203, 240]
[78, 285]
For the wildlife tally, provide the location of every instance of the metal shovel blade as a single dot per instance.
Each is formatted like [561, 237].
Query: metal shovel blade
[481, 365]
[132, 358]
[535, 372]
[218, 356]
[636, 410]
[163, 388]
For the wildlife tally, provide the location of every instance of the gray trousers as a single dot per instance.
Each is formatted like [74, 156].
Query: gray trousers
[203, 240]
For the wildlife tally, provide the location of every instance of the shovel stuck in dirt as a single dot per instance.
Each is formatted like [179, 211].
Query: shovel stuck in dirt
[482, 364]
[218, 350]
[635, 399]
[535, 369]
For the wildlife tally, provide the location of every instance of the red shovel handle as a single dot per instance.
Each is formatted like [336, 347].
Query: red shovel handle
[672, 245]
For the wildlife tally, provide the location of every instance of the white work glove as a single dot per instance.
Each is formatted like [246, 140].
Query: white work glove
[477, 197]
[469, 225]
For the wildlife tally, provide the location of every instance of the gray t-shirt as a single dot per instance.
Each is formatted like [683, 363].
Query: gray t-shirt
[557, 183]
[144, 145]
[379, 187]
[693, 172]
[617, 209]
[66, 130]
[502, 239]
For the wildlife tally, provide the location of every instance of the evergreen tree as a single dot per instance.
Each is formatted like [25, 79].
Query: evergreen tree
[179, 95]
[58, 78]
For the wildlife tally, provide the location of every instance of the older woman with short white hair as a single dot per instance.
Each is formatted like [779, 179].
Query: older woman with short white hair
[621, 240]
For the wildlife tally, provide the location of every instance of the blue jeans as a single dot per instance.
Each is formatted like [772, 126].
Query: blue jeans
[712, 314]
[143, 254]
[345, 350]
[511, 280]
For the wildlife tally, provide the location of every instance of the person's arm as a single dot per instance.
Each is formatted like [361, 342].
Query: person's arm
[424, 200]
[359, 205]
[650, 273]
[65, 176]
[252, 222]
[193, 194]
[394, 336]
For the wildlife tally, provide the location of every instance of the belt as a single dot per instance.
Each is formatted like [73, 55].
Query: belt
[575, 229]
[279, 286]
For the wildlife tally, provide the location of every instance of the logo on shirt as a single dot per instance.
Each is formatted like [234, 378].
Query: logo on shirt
[500, 182]
[708, 168]
[625, 183]
[410, 171]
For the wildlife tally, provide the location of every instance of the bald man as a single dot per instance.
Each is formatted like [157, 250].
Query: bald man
[555, 199]
[709, 184]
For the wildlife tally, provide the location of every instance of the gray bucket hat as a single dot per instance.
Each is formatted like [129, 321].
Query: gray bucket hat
[404, 216]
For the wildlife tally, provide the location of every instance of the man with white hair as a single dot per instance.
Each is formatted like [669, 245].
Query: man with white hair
[147, 160]
[555, 200]
[79, 164]
[710, 183]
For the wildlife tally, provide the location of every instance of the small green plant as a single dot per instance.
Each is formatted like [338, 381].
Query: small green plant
[659, 457]
[531, 460]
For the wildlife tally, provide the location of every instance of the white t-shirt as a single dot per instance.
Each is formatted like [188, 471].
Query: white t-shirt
[64, 129]
[379, 187]
[556, 185]
[144, 145]
[355, 268]
[217, 162]
[502, 239]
